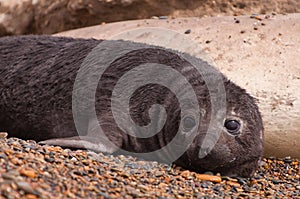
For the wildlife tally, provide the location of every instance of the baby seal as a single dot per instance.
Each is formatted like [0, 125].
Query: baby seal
[37, 78]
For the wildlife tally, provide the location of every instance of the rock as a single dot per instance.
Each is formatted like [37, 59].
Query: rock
[15, 17]
[50, 16]
[3, 135]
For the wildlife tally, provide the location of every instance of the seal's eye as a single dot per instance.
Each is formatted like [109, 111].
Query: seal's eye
[188, 123]
[232, 126]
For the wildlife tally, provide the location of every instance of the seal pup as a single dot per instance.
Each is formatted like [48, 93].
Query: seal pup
[37, 75]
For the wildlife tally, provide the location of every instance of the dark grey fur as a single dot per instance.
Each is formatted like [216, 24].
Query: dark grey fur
[37, 74]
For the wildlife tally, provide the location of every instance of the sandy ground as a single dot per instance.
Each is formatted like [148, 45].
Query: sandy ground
[259, 53]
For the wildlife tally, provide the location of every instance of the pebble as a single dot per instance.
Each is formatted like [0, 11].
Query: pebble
[28, 170]
[163, 17]
[3, 135]
[236, 20]
[27, 188]
[208, 177]
[287, 159]
[188, 31]
[31, 173]
[233, 184]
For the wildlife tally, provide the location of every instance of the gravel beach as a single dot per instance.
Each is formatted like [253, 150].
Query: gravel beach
[31, 171]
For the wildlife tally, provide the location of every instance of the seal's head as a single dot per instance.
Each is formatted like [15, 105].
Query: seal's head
[214, 136]
[239, 147]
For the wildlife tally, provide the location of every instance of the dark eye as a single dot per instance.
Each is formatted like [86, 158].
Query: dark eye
[232, 126]
[188, 123]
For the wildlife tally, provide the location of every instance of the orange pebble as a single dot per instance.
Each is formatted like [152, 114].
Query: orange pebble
[31, 196]
[28, 172]
[233, 184]
[208, 177]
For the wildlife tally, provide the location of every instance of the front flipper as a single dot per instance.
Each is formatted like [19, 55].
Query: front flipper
[84, 142]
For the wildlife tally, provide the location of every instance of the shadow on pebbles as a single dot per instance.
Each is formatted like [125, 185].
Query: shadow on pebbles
[28, 170]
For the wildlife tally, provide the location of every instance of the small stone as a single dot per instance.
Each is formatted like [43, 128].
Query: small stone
[185, 173]
[204, 185]
[188, 31]
[233, 184]
[239, 189]
[50, 160]
[208, 177]
[253, 15]
[143, 187]
[287, 160]
[25, 187]
[258, 18]
[162, 185]
[31, 173]
[30, 196]
[3, 135]
[242, 181]
[163, 17]
[11, 175]
[159, 174]
[275, 181]
[124, 174]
